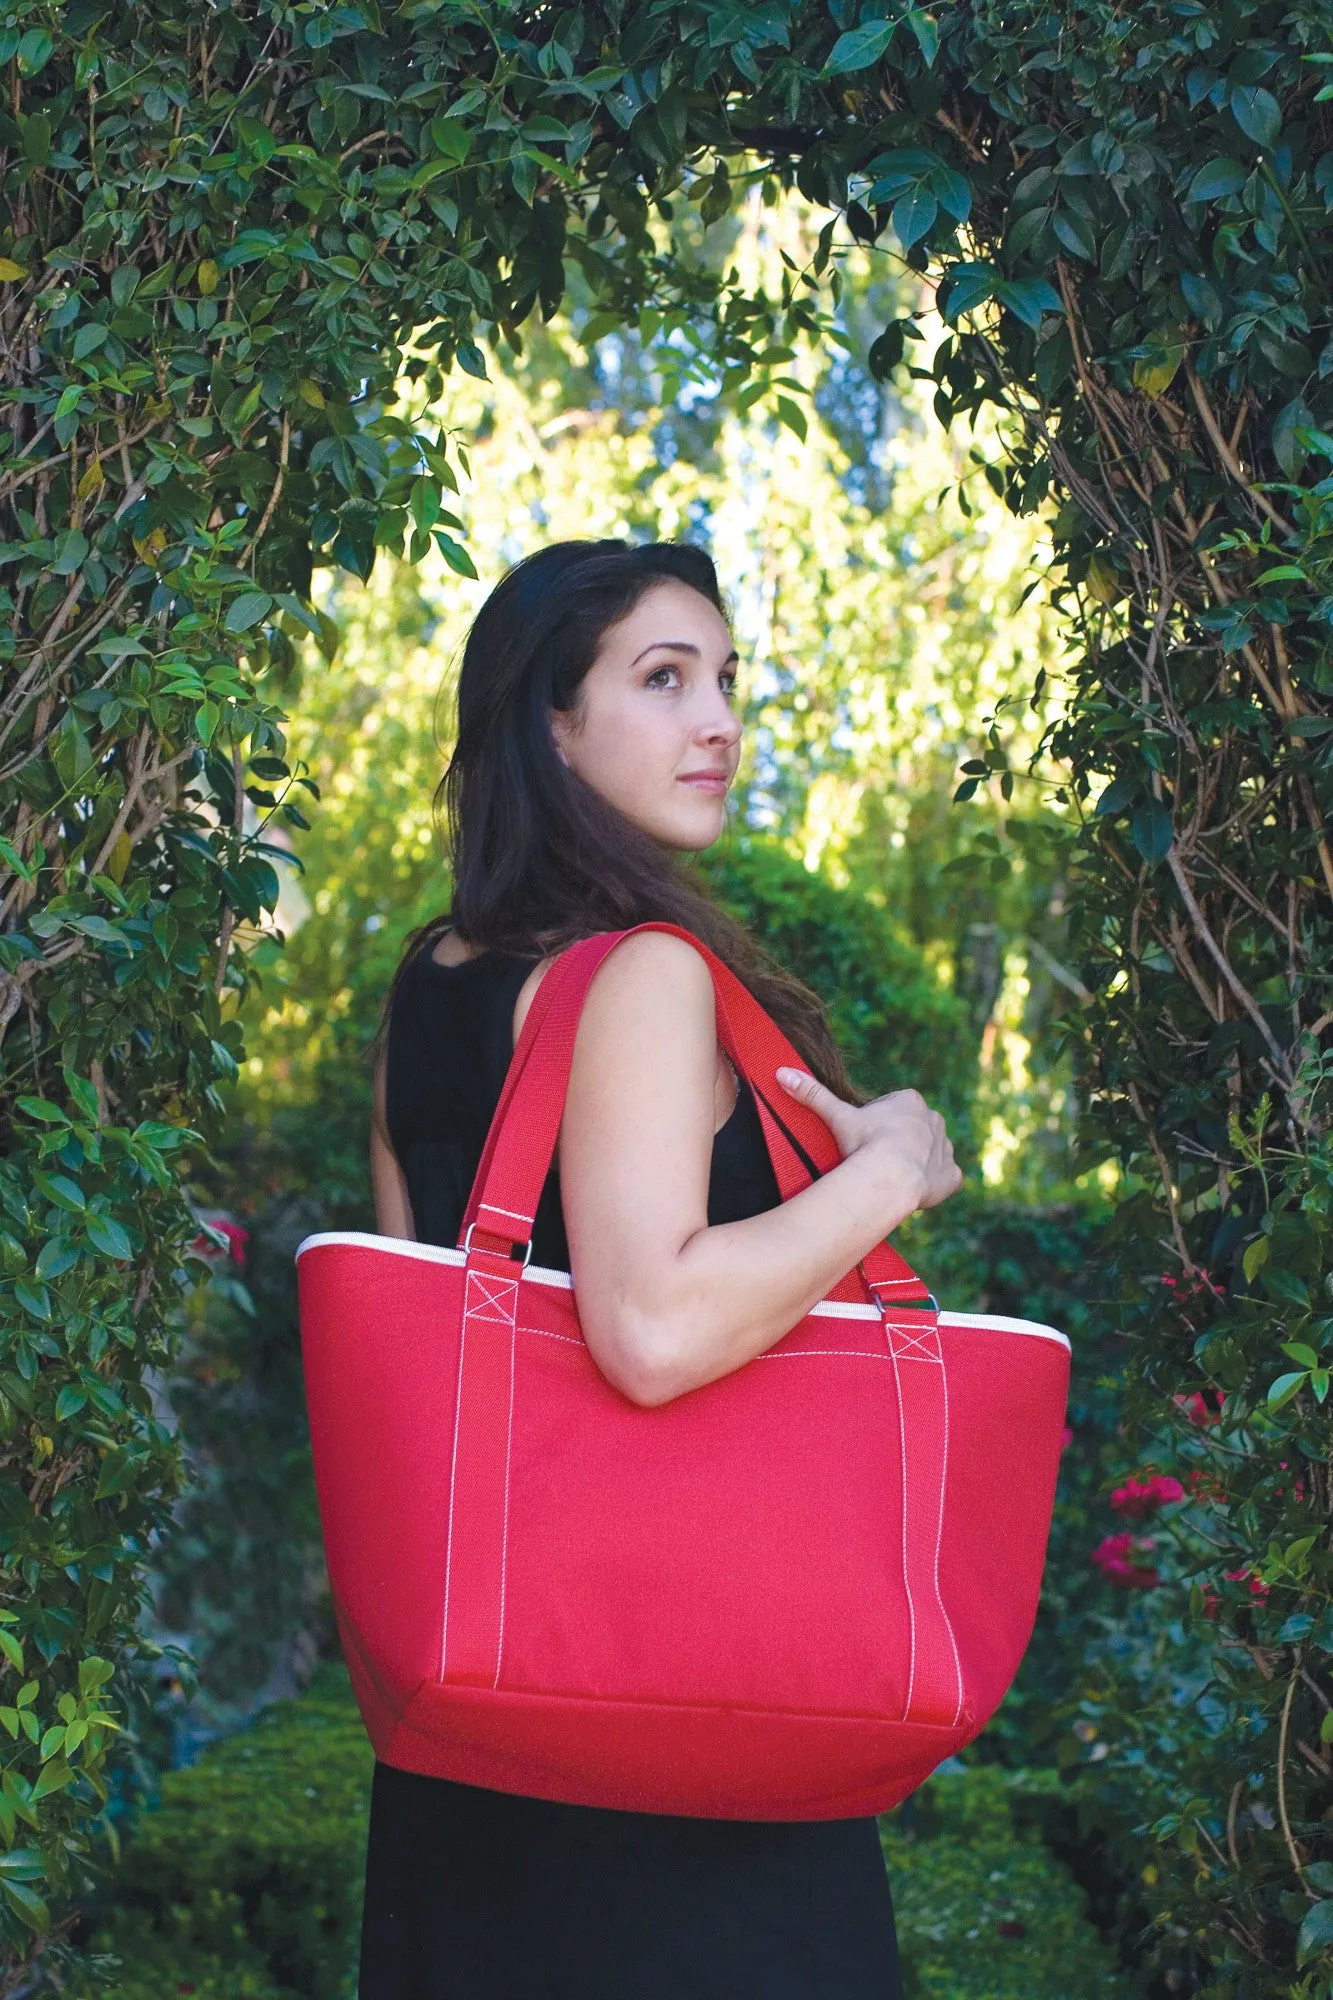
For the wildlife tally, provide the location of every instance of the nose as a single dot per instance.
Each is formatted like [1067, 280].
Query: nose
[718, 725]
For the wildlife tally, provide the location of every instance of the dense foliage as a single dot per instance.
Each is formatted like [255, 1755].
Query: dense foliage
[242, 248]
[213, 1898]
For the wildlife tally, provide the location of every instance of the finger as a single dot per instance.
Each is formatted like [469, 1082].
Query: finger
[808, 1090]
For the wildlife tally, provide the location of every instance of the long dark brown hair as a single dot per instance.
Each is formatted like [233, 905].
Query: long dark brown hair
[539, 858]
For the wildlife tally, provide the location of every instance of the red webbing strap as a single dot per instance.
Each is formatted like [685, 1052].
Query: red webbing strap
[522, 1137]
[532, 1024]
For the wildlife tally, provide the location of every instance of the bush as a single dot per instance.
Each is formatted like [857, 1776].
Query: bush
[244, 1879]
[984, 1910]
[895, 1023]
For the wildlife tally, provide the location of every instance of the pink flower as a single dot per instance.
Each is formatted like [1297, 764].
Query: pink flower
[1198, 1408]
[1113, 1557]
[1066, 1438]
[1138, 1498]
[237, 1238]
[1258, 1588]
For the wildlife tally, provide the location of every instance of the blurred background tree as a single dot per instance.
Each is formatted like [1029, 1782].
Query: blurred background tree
[882, 621]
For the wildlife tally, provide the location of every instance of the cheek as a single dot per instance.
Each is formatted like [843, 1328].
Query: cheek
[633, 741]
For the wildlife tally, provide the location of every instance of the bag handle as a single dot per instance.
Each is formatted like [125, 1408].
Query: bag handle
[521, 1141]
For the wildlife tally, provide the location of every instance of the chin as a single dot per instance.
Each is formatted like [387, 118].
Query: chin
[701, 833]
[689, 833]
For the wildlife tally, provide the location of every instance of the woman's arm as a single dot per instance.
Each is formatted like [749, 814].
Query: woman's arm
[666, 1302]
[393, 1207]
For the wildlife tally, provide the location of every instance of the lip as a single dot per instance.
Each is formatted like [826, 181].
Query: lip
[706, 781]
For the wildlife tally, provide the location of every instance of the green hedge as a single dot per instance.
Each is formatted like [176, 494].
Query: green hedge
[984, 1909]
[243, 1882]
[244, 1879]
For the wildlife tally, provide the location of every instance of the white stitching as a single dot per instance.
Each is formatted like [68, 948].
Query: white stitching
[939, 1537]
[494, 1208]
[907, 1581]
[809, 1353]
[453, 1485]
[504, 1543]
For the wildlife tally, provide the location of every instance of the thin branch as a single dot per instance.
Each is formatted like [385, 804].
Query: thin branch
[1292, 1848]
[237, 827]
[1240, 992]
[1168, 1185]
[276, 494]
[1227, 456]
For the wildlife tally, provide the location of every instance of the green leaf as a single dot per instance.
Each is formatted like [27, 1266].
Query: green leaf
[23, 1864]
[1256, 1255]
[11, 1649]
[1075, 234]
[1217, 180]
[247, 610]
[52, 1777]
[41, 1107]
[452, 137]
[35, 138]
[1028, 298]
[107, 1235]
[94, 1673]
[1316, 1932]
[34, 51]
[859, 48]
[71, 552]
[26, 1901]
[969, 286]
[1152, 832]
[88, 339]
[1155, 371]
[60, 1189]
[1296, 1350]
[914, 216]
[455, 555]
[1285, 1387]
[792, 415]
[927, 34]
[1257, 112]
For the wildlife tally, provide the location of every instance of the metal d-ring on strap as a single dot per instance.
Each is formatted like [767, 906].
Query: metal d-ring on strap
[467, 1245]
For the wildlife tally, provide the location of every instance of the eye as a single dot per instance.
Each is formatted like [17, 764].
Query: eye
[727, 680]
[663, 677]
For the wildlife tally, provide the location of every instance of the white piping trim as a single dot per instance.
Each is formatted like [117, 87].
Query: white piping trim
[434, 1253]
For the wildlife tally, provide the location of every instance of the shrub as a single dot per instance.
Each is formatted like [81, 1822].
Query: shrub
[249, 1866]
[243, 1882]
[984, 1910]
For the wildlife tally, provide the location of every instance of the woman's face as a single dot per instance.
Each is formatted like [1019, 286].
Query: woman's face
[653, 732]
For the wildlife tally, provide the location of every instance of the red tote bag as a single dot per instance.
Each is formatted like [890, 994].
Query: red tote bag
[786, 1595]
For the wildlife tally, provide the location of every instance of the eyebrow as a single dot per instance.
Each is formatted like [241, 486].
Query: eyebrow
[681, 646]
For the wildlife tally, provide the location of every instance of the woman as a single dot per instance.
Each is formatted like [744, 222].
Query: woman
[597, 740]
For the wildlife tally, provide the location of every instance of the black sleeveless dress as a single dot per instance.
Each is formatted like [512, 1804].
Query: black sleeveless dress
[480, 1895]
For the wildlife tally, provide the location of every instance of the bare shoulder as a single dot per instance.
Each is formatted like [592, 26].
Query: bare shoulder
[652, 993]
[652, 964]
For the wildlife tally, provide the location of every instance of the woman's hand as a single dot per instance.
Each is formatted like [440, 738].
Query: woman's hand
[900, 1131]
[668, 1300]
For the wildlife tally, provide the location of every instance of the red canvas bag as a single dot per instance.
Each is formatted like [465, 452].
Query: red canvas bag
[786, 1595]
